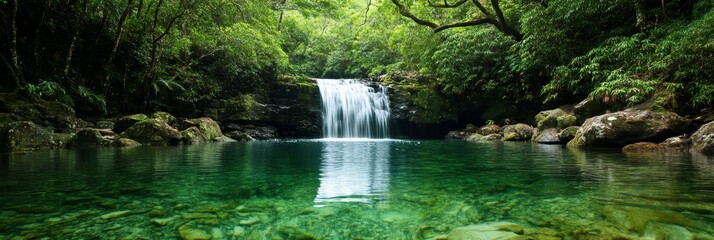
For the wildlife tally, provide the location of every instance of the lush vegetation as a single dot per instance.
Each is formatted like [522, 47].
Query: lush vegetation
[139, 55]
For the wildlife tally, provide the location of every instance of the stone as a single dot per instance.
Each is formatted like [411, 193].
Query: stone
[249, 221]
[164, 116]
[216, 233]
[487, 231]
[548, 136]
[291, 232]
[637, 219]
[24, 136]
[517, 132]
[629, 126]
[489, 129]
[655, 230]
[188, 233]
[127, 121]
[239, 136]
[549, 118]
[238, 231]
[60, 140]
[703, 139]
[31, 208]
[116, 214]
[106, 124]
[641, 147]
[677, 144]
[471, 128]
[162, 221]
[89, 138]
[588, 108]
[565, 121]
[568, 133]
[153, 132]
[200, 130]
[478, 137]
[199, 216]
[125, 142]
[263, 133]
[456, 135]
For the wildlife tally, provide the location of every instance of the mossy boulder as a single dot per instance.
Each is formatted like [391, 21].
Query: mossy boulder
[125, 142]
[164, 116]
[568, 133]
[517, 132]
[489, 129]
[457, 135]
[590, 107]
[24, 136]
[565, 121]
[549, 118]
[629, 126]
[106, 124]
[89, 138]
[641, 147]
[127, 121]
[703, 139]
[201, 130]
[153, 132]
[478, 137]
[239, 136]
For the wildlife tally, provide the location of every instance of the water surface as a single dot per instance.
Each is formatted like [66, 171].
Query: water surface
[353, 190]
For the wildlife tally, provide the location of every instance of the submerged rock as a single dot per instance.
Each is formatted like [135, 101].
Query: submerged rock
[703, 139]
[189, 233]
[495, 230]
[629, 126]
[641, 147]
[24, 136]
[517, 132]
[153, 132]
[117, 214]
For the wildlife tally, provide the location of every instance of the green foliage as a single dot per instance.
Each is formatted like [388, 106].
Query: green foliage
[95, 100]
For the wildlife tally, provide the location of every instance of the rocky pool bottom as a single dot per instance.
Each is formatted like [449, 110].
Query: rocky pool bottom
[355, 190]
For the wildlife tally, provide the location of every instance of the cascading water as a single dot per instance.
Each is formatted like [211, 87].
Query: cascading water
[353, 110]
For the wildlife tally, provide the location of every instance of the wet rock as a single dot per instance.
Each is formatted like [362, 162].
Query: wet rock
[60, 140]
[657, 230]
[24, 136]
[636, 218]
[565, 121]
[568, 133]
[106, 124]
[125, 142]
[588, 108]
[517, 132]
[263, 133]
[238, 231]
[199, 216]
[239, 136]
[249, 221]
[457, 135]
[216, 233]
[677, 144]
[479, 137]
[127, 121]
[117, 214]
[158, 211]
[489, 129]
[496, 230]
[89, 138]
[162, 221]
[641, 147]
[548, 136]
[188, 233]
[629, 126]
[471, 128]
[703, 139]
[153, 132]
[31, 208]
[291, 232]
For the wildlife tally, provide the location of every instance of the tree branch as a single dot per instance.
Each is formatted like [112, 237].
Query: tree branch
[474, 22]
[446, 4]
[405, 12]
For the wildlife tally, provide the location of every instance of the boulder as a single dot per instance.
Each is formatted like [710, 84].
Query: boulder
[489, 129]
[24, 136]
[495, 230]
[201, 130]
[164, 116]
[471, 128]
[568, 133]
[565, 121]
[548, 136]
[478, 137]
[125, 142]
[641, 147]
[89, 138]
[262, 133]
[677, 144]
[629, 126]
[588, 108]
[517, 132]
[239, 136]
[127, 121]
[549, 118]
[703, 139]
[457, 135]
[104, 124]
[153, 132]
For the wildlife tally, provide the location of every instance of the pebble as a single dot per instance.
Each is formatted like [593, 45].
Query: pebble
[189, 233]
[162, 221]
[238, 231]
[117, 214]
[249, 221]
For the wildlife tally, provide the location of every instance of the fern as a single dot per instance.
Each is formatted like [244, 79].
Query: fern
[95, 100]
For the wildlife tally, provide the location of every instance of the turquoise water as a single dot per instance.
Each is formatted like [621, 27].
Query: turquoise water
[353, 190]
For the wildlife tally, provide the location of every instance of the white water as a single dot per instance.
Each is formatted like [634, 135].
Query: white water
[353, 110]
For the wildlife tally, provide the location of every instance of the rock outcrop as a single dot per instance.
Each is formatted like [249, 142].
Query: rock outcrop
[629, 126]
[517, 132]
[25, 136]
[703, 139]
[153, 132]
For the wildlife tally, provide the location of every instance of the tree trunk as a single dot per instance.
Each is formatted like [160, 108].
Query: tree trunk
[641, 16]
[282, 13]
[70, 53]
[117, 40]
[14, 58]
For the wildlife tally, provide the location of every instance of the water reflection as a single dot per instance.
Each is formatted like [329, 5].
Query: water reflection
[354, 172]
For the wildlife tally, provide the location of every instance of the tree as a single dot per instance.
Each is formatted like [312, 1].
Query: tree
[485, 16]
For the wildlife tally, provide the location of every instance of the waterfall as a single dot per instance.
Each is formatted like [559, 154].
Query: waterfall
[351, 109]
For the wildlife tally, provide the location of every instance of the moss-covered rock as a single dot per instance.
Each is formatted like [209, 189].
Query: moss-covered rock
[489, 129]
[45, 113]
[549, 118]
[201, 130]
[61, 140]
[471, 128]
[89, 138]
[629, 126]
[517, 132]
[164, 116]
[478, 137]
[125, 142]
[153, 132]
[568, 133]
[239, 136]
[677, 144]
[565, 121]
[105, 124]
[457, 135]
[641, 147]
[127, 121]
[24, 136]
[703, 139]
